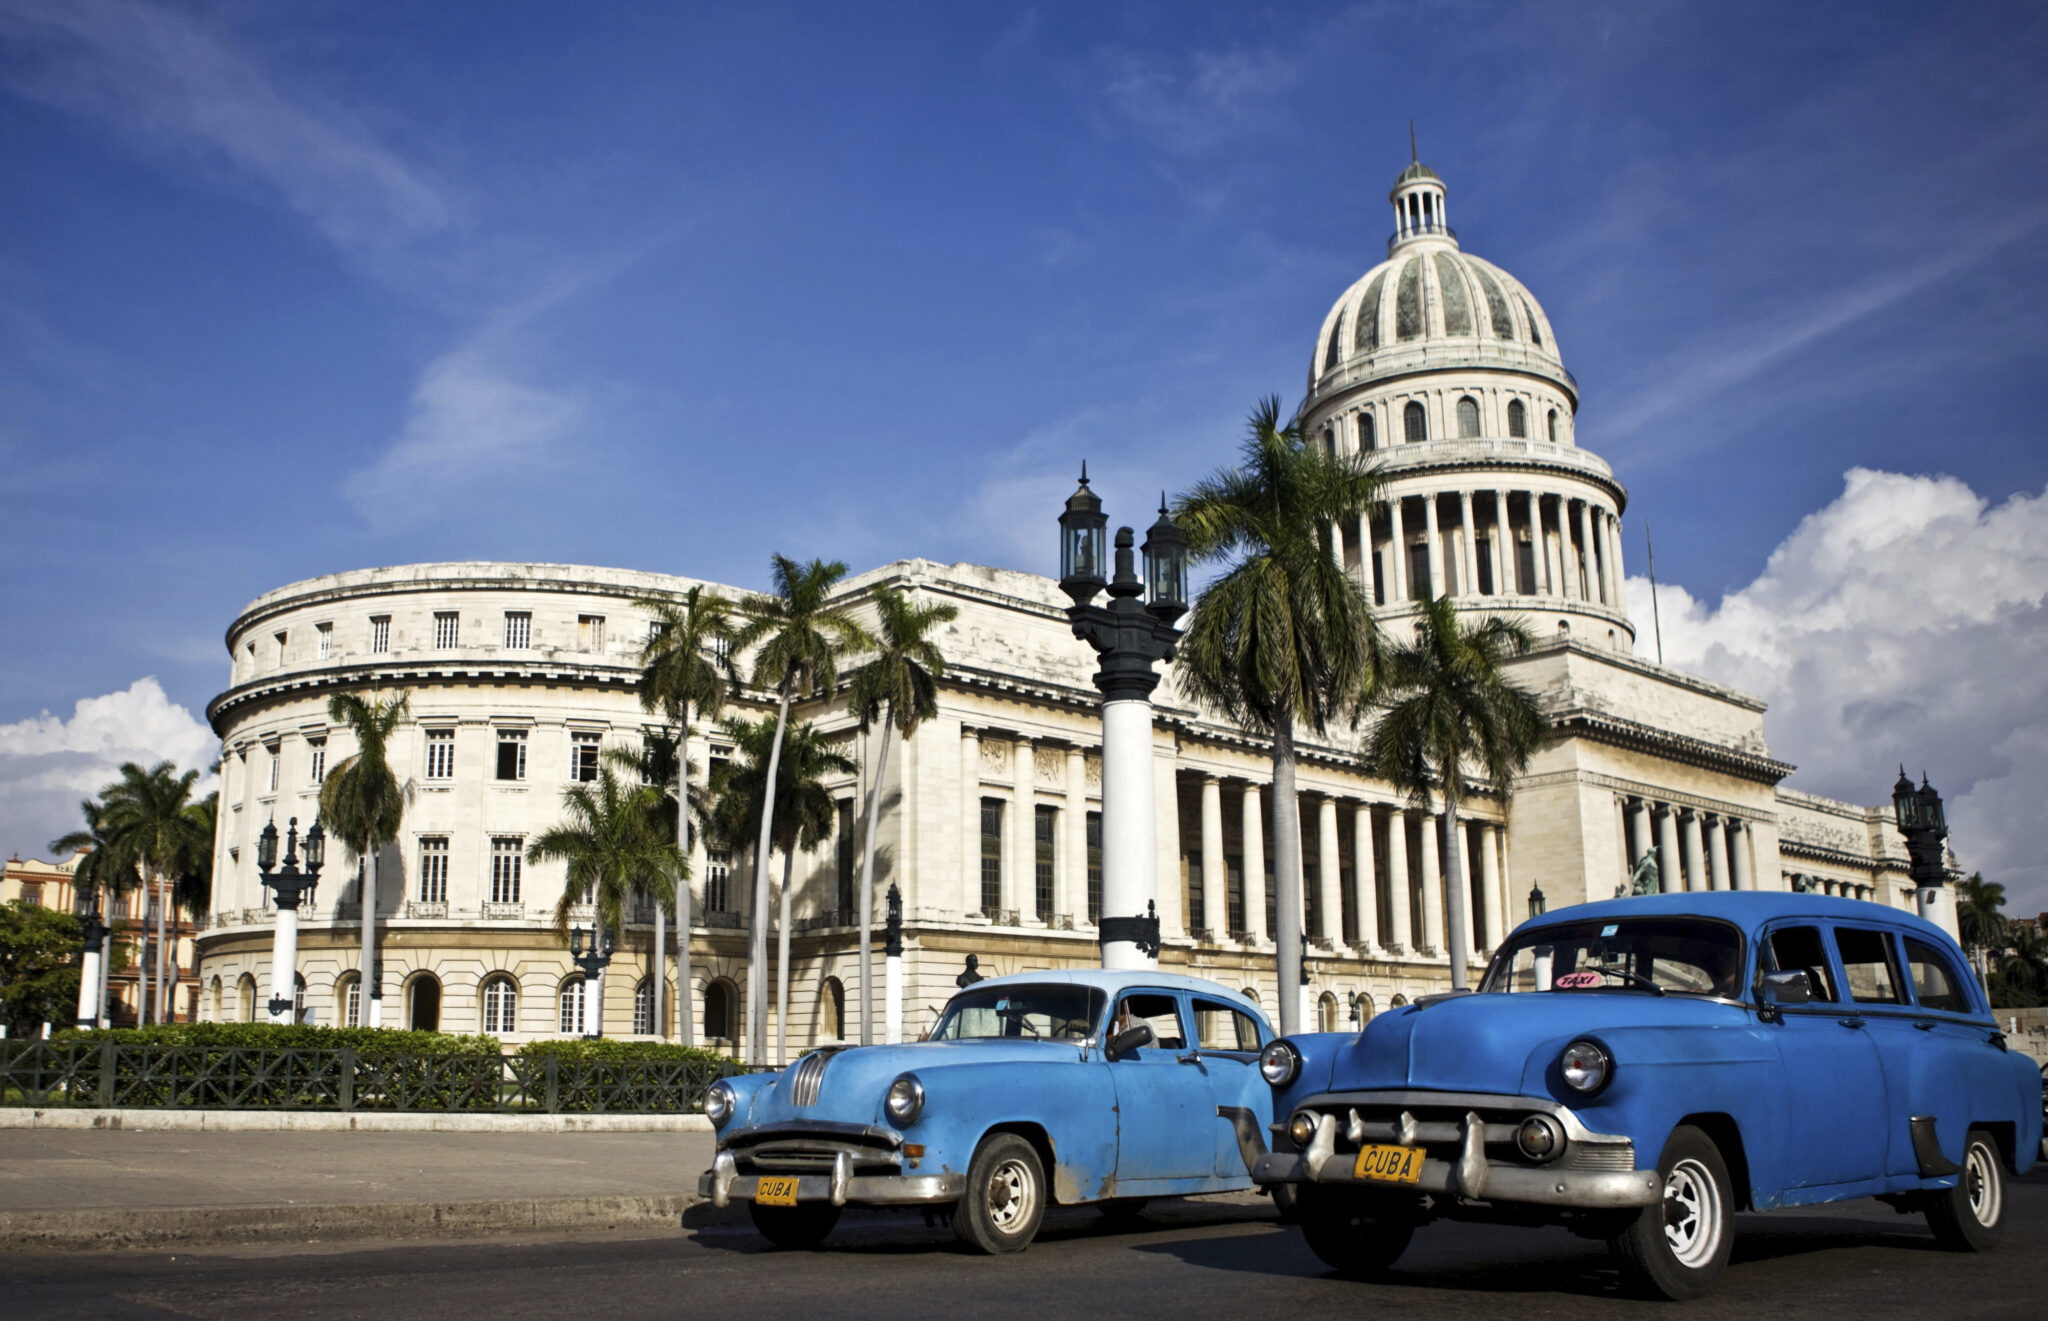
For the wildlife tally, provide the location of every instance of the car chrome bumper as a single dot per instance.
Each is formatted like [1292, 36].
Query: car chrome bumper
[1472, 1176]
[724, 1185]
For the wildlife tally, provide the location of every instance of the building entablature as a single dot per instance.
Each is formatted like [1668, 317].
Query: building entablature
[1341, 385]
[1491, 460]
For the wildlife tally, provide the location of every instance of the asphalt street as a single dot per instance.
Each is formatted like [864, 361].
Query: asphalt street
[1220, 1257]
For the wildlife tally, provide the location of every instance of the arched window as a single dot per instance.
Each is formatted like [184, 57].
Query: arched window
[1364, 1007]
[1413, 423]
[570, 1003]
[1367, 440]
[643, 1008]
[423, 1003]
[1251, 993]
[501, 1005]
[218, 1001]
[348, 1000]
[1398, 1001]
[832, 1011]
[1468, 418]
[245, 996]
[1553, 426]
[718, 1015]
[1518, 419]
[298, 997]
[1330, 440]
[1326, 1012]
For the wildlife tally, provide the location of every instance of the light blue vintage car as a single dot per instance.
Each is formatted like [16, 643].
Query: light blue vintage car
[1033, 1090]
[1642, 1069]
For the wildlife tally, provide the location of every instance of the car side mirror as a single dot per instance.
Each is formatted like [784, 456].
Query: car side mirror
[1787, 988]
[1128, 1040]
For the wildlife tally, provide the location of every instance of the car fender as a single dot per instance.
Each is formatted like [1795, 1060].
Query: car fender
[1071, 1102]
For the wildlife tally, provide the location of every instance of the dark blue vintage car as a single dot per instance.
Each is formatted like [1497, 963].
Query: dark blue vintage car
[1641, 1069]
[1033, 1090]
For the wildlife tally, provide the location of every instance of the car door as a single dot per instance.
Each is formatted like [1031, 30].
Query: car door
[1910, 1060]
[1948, 1060]
[1164, 1114]
[1229, 1040]
[1832, 1101]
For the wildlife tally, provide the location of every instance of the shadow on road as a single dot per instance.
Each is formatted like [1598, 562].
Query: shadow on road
[883, 1233]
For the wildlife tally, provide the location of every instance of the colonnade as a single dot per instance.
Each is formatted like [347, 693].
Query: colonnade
[1575, 546]
[1696, 849]
[1810, 884]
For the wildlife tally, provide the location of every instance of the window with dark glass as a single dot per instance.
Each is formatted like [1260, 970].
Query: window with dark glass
[440, 754]
[1468, 418]
[844, 855]
[1233, 892]
[1799, 949]
[1367, 440]
[1414, 423]
[1095, 866]
[1419, 586]
[991, 856]
[582, 758]
[717, 881]
[1195, 896]
[511, 754]
[1525, 566]
[1518, 419]
[1484, 555]
[1043, 824]
[1553, 426]
[718, 999]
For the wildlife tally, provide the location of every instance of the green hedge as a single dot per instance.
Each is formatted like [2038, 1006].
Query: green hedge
[608, 1049]
[367, 1041]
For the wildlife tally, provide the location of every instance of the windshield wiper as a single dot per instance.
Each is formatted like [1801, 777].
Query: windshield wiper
[1635, 977]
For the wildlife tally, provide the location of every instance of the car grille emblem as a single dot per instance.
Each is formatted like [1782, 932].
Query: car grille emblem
[810, 1077]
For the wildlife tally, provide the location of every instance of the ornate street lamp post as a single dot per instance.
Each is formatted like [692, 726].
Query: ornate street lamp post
[1538, 905]
[94, 933]
[1130, 635]
[892, 969]
[592, 961]
[292, 885]
[1920, 819]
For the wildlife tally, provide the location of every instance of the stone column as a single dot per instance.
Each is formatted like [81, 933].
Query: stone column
[1215, 913]
[1539, 541]
[1330, 871]
[1432, 883]
[1073, 877]
[1498, 544]
[1363, 897]
[1436, 545]
[970, 819]
[1671, 880]
[1254, 844]
[1717, 855]
[1739, 847]
[1022, 873]
[1397, 552]
[1596, 586]
[1400, 918]
[1641, 813]
[1614, 543]
[1695, 875]
[1468, 572]
[1489, 882]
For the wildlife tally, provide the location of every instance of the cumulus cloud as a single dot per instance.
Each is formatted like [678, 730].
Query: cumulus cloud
[1905, 621]
[49, 763]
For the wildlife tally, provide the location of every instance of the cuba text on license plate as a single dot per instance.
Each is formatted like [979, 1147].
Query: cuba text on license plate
[776, 1192]
[1388, 1164]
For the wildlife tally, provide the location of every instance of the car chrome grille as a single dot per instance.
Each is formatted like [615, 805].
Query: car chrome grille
[810, 1077]
[1620, 1156]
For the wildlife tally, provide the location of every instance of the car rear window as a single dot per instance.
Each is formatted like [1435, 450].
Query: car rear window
[1867, 966]
[1934, 979]
[1219, 1026]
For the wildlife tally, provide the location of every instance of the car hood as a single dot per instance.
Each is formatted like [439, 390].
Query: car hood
[1501, 1043]
[857, 1078]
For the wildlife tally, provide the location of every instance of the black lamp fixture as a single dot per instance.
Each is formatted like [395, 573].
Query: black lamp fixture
[1083, 544]
[293, 882]
[1538, 905]
[1919, 816]
[591, 951]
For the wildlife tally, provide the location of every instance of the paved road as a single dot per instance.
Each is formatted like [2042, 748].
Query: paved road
[1223, 1257]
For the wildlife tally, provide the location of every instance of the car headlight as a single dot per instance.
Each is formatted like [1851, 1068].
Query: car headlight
[1540, 1138]
[1301, 1130]
[905, 1101]
[1586, 1066]
[719, 1103]
[1279, 1063]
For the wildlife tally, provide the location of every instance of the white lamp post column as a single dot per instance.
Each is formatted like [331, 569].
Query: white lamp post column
[94, 931]
[292, 886]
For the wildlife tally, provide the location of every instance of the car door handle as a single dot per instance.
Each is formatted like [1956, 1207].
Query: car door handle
[1850, 1022]
[1192, 1057]
[1925, 1025]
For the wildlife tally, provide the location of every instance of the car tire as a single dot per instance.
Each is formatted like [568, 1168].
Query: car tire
[1005, 1199]
[1357, 1234]
[1123, 1212]
[1970, 1217]
[798, 1228]
[1678, 1248]
[1287, 1202]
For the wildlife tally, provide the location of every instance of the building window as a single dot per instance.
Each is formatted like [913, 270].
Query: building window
[1367, 433]
[1196, 895]
[991, 856]
[380, 633]
[1518, 419]
[1419, 586]
[721, 650]
[440, 754]
[845, 855]
[279, 638]
[32, 892]
[1233, 892]
[1483, 553]
[1095, 866]
[351, 1001]
[511, 754]
[275, 759]
[1553, 426]
[501, 1005]
[582, 758]
[1330, 440]
[717, 881]
[518, 629]
[316, 761]
[324, 633]
[1468, 418]
[506, 853]
[643, 1008]
[571, 1000]
[1413, 423]
[718, 1017]
[434, 870]
[1525, 566]
[1042, 827]
[590, 632]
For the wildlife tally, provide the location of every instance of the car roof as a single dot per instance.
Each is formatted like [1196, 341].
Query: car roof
[1749, 909]
[1117, 979]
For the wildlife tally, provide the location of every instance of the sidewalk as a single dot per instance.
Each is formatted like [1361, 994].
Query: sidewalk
[109, 1188]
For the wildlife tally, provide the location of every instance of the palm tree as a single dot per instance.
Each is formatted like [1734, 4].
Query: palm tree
[802, 636]
[103, 871]
[1980, 916]
[899, 686]
[1449, 711]
[364, 806]
[615, 856]
[802, 813]
[1285, 638]
[192, 889]
[148, 814]
[686, 675]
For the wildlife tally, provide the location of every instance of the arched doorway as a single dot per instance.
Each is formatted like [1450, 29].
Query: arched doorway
[423, 1003]
[832, 1026]
[719, 1021]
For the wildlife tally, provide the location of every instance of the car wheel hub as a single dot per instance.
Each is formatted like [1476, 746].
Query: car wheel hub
[1692, 1213]
[1010, 1196]
[1982, 1185]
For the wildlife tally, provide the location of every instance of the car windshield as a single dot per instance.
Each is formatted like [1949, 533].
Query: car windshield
[1053, 1013]
[1649, 955]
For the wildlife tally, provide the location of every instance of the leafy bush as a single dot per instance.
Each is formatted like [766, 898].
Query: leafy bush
[367, 1042]
[610, 1049]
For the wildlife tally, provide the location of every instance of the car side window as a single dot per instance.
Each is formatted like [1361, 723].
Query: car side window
[1799, 949]
[1161, 1011]
[1219, 1026]
[1867, 966]
[1934, 979]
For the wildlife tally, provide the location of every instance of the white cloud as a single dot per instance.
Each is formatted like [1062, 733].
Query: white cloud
[1903, 622]
[48, 764]
[1211, 98]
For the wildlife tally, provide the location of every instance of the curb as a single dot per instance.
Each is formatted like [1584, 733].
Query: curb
[327, 1121]
[194, 1226]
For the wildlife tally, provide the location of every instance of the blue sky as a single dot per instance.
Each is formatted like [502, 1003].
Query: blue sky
[287, 289]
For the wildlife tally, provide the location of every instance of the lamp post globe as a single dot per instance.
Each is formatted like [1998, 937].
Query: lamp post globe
[592, 955]
[1919, 816]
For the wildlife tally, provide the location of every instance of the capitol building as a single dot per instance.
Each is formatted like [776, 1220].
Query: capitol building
[1436, 365]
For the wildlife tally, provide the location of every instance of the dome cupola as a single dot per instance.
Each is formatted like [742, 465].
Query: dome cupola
[1418, 199]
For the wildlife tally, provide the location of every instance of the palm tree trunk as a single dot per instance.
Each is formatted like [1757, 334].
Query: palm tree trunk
[1455, 903]
[866, 901]
[1286, 875]
[686, 997]
[163, 901]
[757, 945]
[782, 963]
[373, 976]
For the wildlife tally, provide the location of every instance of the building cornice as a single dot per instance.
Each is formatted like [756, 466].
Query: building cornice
[1615, 731]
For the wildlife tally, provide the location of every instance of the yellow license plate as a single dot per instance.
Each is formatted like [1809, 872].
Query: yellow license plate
[776, 1192]
[1388, 1164]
